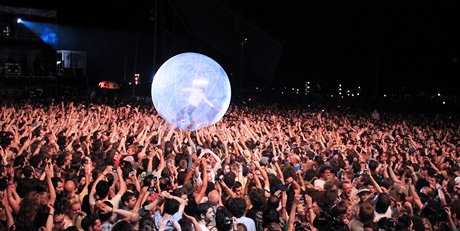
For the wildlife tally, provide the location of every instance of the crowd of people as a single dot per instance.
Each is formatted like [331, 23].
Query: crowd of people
[74, 166]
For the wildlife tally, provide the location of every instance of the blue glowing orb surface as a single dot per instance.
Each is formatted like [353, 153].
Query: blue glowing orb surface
[191, 91]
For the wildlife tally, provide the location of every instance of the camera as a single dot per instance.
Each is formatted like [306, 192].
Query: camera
[228, 220]
[219, 177]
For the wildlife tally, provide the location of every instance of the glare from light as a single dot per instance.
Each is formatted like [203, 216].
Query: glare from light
[19, 20]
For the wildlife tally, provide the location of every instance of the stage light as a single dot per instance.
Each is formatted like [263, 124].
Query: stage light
[19, 20]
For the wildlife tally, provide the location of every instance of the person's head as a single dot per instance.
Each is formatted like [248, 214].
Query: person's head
[332, 185]
[325, 172]
[205, 212]
[70, 187]
[105, 216]
[171, 206]
[273, 226]
[241, 227]
[41, 216]
[58, 184]
[340, 209]
[213, 197]
[381, 203]
[74, 208]
[223, 219]
[347, 189]
[230, 179]
[347, 176]
[146, 223]
[91, 223]
[270, 217]
[366, 212]
[237, 206]
[257, 197]
[129, 199]
[58, 220]
[102, 189]
[273, 202]
[371, 226]
[238, 189]
[122, 225]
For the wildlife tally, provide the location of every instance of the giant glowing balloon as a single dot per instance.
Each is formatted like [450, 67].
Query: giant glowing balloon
[191, 91]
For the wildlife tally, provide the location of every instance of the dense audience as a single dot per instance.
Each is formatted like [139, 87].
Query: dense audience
[72, 166]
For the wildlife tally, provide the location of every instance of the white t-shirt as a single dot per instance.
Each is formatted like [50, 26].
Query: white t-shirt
[320, 183]
[203, 227]
[248, 222]
[378, 216]
[195, 98]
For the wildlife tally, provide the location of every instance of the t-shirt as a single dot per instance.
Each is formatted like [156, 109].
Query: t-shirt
[248, 222]
[320, 183]
[203, 227]
[169, 226]
[257, 217]
[378, 216]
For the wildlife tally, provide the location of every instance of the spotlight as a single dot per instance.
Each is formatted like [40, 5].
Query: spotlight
[19, 20]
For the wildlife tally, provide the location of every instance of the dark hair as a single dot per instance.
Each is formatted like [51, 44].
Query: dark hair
[323, 169]
[105, 216]
[370, 224]
[72, 228]
[382, 202]
[273, 202]
[102, 189]
[27, 171]
[165, 183]
[270, 216]
[222, 216]
[55, 180]
[181, 177]
[41, 216]
[257, 197]
[201, 209]
[434, 211]
[147, 224]
[229, 179]
[185, 224]
[387, 223]
[372, 164]
[171, 206]
[237, 206]
[366, 212]
[122, 225]
[88, 221]
[126, 196]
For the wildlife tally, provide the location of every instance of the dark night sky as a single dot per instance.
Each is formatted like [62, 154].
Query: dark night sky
[415, 43]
